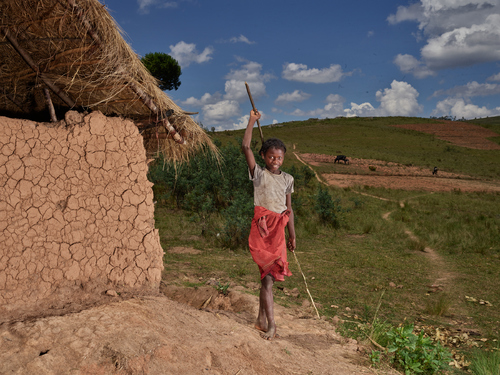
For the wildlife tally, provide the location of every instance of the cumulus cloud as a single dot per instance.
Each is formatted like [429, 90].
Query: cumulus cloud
[399, 100]
[220, 112]
[409, 64]
[471, 89]
[461, 108]
[334, 107]
[296, 96]
[458, 33]
[250, 72]
[465, 46]
[360, 110]
[301, 73]
[495, 77]
[204, 100]
[144, 5]
[186, 53]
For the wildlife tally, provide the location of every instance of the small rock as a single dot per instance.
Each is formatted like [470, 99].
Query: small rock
[392, 285]
[111, 293]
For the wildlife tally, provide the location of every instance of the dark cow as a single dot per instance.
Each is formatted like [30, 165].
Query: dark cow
[341, 158]
[435, 171]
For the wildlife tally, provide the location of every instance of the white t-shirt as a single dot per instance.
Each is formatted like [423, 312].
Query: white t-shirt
[270, 190]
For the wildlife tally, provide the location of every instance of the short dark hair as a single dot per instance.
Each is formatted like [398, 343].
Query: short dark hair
[272, 143]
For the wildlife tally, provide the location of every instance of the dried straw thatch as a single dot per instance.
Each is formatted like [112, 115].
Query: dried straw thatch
[72, 53]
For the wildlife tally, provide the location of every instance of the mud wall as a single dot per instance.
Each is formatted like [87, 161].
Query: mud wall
[76, 214]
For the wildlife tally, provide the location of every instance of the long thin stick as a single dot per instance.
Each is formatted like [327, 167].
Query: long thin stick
[253, 106]
[305, 282]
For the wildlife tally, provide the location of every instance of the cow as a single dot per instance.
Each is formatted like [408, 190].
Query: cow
[341, 157]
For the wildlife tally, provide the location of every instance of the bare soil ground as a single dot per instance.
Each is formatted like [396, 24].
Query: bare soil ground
[396, 176]
[157, 335]
[459, 133]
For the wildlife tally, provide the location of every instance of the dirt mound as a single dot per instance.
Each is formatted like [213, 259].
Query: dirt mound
[156, 335]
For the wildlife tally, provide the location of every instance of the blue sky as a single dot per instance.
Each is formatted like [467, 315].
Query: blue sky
[323, 58]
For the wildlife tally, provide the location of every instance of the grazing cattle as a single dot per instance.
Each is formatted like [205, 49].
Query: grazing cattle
[435, 171]
[341, 157]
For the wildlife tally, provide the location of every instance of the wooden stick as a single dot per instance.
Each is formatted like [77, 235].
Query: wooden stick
[255, 111]
[305, 282]
[27, 58]
[52, 112]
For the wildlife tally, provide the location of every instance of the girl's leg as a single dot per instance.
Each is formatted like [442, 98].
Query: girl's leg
[265, 320]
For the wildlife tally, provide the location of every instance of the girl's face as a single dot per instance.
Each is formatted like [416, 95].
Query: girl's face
[274, 158]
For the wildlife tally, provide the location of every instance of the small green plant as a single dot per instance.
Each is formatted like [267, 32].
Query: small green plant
[485, 363]
[372, 168]
[438, 307]
[375, 357]
[223, 289]
[416, 354]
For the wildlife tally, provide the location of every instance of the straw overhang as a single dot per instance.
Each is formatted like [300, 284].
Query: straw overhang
[76, 50]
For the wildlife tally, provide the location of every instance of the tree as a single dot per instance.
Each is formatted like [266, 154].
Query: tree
[164, 68]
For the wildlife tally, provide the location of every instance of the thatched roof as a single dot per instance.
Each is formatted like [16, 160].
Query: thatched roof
[73, 51]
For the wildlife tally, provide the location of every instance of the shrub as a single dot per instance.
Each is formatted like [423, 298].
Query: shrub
[327, 208]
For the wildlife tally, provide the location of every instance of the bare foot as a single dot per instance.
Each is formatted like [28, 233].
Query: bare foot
[270, 334]
[259, 327]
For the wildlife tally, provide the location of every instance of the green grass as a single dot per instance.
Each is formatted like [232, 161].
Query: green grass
[350, 267]
[376, 138]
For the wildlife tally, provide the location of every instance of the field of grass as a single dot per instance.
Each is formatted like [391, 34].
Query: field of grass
[375, 138]
[371, 254]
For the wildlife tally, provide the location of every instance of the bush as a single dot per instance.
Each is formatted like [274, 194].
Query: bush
[327, 208]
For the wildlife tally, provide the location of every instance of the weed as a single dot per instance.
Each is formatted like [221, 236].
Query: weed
[485, 363]
[438, 307]
[372, 168]
[416, 353]
[222, 289]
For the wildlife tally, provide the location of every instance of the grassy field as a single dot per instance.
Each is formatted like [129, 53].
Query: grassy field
[375, 138]
[371, 257]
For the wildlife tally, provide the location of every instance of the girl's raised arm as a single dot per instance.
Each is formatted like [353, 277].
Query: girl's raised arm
[247, 141]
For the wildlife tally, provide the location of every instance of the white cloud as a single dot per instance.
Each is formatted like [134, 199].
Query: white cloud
[495, 77]
[410, 65]
[296, 96]
[204, 100]
[250, 72]
[186, 53]
[370, 33]
[399, 100]
[333, 108]
[241, 39]
[465, 46]
[360, 110]
[242, 123]
[458, 32]
[220, 112]
[471, 89]
[144, 5]
[300, 73]
[460, 108]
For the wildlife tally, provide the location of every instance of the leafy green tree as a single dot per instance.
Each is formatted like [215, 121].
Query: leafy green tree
[164, 68]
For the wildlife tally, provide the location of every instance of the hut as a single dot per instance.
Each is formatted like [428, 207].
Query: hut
[78, 111]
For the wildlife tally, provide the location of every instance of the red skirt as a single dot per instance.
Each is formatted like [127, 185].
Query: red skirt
[267, 243]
